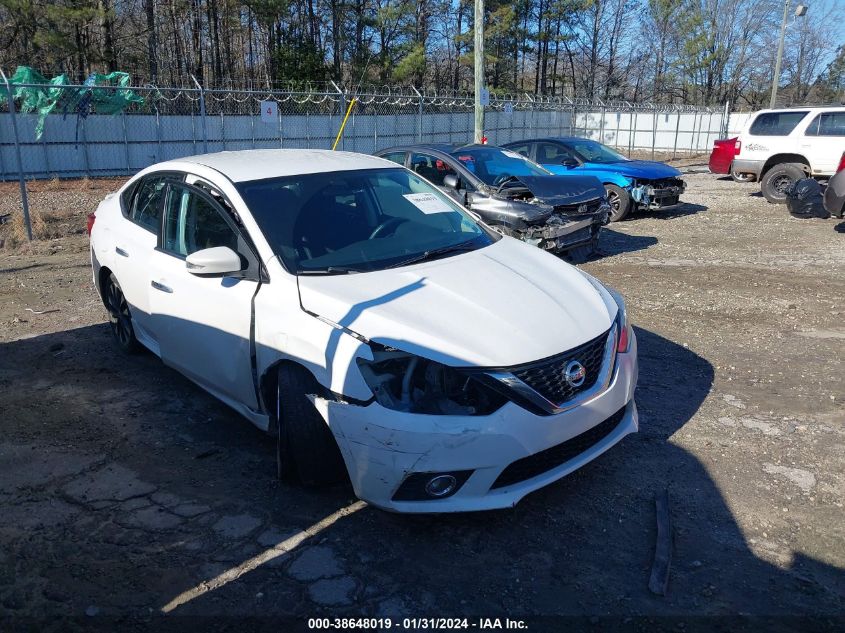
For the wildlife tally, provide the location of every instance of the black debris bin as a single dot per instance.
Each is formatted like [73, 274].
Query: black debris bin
[804, 199]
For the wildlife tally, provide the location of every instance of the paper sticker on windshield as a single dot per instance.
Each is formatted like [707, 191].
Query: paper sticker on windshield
[427, 202]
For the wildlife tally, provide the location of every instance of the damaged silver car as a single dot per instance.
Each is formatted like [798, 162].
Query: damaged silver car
[515, 196]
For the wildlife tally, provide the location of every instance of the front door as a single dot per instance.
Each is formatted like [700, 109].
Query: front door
[824, 141]
[203, 324]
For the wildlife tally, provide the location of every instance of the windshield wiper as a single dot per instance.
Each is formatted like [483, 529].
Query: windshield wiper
[433, 254]
[330, 270]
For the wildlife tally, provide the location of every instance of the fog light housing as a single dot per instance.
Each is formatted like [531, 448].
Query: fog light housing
[441, 485]
[431, 486]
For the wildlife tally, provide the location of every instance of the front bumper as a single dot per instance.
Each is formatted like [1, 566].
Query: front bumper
[646, 196]
[568, 232]
[382, 447]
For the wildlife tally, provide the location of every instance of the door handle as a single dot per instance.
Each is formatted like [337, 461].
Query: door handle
[161, 287]
[120, 251]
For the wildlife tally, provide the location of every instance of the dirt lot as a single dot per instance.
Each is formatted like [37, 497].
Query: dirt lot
[127, 491]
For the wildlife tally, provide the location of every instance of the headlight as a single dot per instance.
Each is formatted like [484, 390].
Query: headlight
[624, 340]
[623, 343]
[405, 382]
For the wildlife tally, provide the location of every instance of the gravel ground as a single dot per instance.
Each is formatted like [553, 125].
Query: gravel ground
[128, 492]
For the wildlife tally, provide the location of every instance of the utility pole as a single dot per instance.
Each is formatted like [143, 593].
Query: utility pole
[479, 69]
[800, 11]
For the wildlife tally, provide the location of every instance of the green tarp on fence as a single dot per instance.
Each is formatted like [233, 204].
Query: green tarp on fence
[101, 94]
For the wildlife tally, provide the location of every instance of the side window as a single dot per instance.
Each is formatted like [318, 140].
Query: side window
[524, 149]
[147, 203]
[431, 168]
[396, 157]
[193, 221]
[552, 154]
[776, 123]
[827, 124]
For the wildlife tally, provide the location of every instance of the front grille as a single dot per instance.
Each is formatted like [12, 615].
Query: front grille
[546, 377]
[585, 207]
[544, 461]
[666, 183]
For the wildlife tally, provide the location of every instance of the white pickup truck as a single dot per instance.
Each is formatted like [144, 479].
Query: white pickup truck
[781, 146]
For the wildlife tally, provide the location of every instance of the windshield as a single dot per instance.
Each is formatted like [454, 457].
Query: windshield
[495, 166]
[593, 152]
[358, 221]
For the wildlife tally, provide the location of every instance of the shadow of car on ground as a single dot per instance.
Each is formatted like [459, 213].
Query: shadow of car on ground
[146, 490]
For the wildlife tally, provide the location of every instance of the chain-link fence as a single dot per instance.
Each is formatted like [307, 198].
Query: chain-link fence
[167, 123]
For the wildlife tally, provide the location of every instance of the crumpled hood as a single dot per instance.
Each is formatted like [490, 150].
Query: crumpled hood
[641, 169]
[502, 305]
[567, 189]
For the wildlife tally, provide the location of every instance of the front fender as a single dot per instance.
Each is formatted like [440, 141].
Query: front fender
[612, 178]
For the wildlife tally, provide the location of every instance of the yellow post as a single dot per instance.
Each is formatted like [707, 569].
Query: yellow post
[343, 125]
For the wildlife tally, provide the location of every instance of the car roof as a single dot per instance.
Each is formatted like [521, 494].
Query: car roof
[446, 148]
[258, 164]
[553, 139]
[831, 108]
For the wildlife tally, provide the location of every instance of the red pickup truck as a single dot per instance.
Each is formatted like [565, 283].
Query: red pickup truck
[722, 156]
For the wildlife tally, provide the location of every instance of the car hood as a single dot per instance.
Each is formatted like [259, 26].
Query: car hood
[560, 190]
[639, 169]
[502, 305]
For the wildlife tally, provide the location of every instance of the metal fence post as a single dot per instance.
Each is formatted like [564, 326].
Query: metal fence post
[125, 140]
[677, 129]
[419, 115]
[692, 134]
[653, 129]
[24, 199]
[342, 108]
[202, 115]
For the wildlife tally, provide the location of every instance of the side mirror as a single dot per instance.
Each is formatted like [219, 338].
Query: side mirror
[451, 181]
[569, 162]
[220, 260]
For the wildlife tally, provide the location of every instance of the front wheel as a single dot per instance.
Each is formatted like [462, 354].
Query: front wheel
[779, 179]
[305, 444]
[120, 319]
[620, 202]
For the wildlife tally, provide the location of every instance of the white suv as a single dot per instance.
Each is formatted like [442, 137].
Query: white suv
[350, 308]
[779, 147]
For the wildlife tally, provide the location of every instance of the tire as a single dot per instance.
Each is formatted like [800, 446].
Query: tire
[740, 177]
[779, 179]
[305, 444]
[620, 202]
[120, 318]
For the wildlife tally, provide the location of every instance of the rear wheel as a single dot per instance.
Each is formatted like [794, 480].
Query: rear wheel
[120, 318]
[620, 202]
[779, 179]
[305, 444]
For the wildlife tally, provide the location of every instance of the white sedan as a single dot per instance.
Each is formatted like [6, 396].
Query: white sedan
[370, 323]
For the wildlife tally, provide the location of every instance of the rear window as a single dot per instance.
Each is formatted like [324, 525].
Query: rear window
[776, 123]
[827, 124]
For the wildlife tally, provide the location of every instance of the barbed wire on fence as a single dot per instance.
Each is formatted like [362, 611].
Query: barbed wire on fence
[166, 122]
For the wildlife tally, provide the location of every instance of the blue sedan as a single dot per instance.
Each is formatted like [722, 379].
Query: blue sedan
[631, 184]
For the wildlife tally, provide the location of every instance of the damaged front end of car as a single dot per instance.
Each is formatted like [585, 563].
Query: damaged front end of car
[664, 193]
[553, 213]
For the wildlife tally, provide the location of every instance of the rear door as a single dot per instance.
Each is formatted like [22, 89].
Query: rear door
[824, 141]
[203, 324]
[135, 244]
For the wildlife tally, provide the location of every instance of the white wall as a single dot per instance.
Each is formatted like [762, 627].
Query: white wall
[103, 145]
